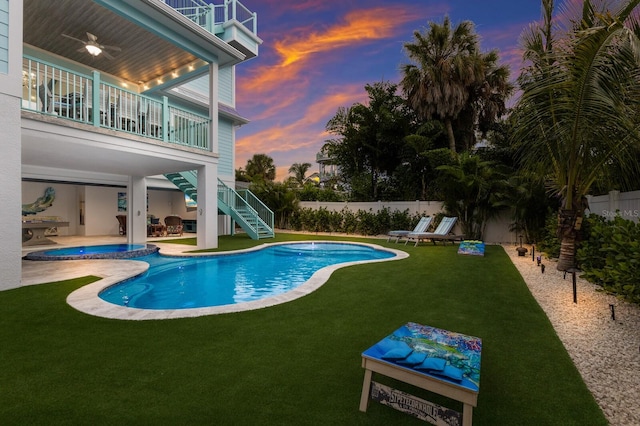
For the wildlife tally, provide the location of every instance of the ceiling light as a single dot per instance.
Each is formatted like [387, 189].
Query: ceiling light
[93, 49]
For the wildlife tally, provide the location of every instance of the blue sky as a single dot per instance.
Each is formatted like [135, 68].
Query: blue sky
[317, 56]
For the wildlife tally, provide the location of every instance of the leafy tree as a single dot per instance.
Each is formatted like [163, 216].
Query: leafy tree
[578, 113]
[241, 175]
[473, 190]
[279, 198]
[369, 136]
[451, 80]
[299, 171]
[260, 168]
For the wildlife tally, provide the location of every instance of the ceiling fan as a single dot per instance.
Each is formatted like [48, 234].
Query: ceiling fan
[92, 46]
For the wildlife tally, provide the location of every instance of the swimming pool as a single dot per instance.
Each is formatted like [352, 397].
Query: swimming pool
[105, 251]
[87, 298]
[182, 283]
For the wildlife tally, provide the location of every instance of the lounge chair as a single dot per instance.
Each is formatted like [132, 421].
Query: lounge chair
[422, 226]
[442, 232]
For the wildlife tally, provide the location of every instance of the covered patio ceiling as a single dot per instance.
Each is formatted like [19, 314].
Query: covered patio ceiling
[143, 57]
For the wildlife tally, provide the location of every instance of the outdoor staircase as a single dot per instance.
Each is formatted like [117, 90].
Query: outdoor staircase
[243, 206]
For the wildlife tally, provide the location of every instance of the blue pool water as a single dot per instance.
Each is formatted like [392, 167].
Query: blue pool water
[105, 251]
[194, 282]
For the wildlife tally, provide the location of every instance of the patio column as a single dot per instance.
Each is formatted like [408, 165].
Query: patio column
[207, 213]
[137, 210]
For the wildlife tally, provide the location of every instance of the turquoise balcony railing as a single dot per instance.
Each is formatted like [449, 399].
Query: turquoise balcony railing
[213, 16]
[55, 91]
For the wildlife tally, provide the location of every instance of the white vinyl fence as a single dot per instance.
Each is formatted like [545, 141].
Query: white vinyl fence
[497, 230]
[616, 203]
[624, 204]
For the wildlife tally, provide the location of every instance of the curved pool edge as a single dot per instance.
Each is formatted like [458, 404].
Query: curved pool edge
[86, 299]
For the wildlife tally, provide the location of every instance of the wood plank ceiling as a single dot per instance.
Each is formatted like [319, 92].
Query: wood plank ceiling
[143, 57]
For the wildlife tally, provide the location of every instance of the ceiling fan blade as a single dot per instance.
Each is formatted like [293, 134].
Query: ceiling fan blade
[91, 37]
[82, 49]
[73, 38]
[116, 48]
[107, 55]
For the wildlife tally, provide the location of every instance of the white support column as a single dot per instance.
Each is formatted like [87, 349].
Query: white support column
[137, 210]
[10, 161]
[207, 214]
[213, 108]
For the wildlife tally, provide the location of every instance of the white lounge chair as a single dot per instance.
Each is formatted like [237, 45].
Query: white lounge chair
[422, 226]
[442, 232]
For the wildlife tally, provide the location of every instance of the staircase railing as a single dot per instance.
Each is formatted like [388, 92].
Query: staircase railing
[263, 211]
[259, 218]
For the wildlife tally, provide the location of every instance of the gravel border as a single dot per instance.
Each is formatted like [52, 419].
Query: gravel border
[606, 352]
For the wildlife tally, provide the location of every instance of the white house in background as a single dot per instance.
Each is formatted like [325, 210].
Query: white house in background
[107, 100]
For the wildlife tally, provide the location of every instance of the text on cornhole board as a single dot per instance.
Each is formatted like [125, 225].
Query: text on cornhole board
[423, 410]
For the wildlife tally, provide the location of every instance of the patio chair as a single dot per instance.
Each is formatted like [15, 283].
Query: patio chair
[173, 224]
[45, 93]
[442, 232]
[422, 226]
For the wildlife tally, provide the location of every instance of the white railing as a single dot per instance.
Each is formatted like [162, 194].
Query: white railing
[55, 91]
[210, 15]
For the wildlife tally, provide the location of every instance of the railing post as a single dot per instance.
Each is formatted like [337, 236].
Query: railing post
[211, 18]
[166, 119]
[95, 98]
[255, 23]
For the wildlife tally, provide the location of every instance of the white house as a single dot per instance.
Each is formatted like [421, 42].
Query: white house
[111, 100]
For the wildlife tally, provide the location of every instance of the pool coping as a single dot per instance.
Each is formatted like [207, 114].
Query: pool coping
[85, 299]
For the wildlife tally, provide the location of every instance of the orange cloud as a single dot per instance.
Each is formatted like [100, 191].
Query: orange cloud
[361, 25]
[295, 50]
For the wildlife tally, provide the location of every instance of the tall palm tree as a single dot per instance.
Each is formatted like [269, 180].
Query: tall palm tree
[577, 115]
[260, 167]
[299, 171]
[449, 75]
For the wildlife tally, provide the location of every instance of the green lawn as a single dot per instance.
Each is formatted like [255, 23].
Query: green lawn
[293, 364]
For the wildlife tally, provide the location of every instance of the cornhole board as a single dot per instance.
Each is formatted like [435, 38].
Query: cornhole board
[459, 379]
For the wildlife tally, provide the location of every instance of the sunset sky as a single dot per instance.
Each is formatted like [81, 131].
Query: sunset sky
[318, 55]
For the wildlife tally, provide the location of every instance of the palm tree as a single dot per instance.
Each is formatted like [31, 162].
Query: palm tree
[473, 190]
[577, 115]
[449, 75]
[260, 167]
[299, 171]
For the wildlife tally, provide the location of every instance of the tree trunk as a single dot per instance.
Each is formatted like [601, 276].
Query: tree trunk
[567, 258]
[452, 139]
[569, 223]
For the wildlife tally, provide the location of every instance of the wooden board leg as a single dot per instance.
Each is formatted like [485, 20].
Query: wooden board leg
[366, 389]
[467, 415]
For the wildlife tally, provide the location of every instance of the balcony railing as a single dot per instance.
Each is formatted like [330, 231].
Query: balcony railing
[56, 91]
[210, 16]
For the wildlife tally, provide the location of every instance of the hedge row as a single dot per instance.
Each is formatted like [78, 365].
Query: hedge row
[348, 222]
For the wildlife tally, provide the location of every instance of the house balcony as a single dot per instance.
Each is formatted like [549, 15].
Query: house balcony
[63, 94]
[231, 20]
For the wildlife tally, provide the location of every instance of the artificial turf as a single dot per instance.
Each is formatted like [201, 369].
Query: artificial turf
[297, 363]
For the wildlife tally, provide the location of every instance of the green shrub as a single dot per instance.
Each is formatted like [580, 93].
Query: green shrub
[345, 221]
[549, 242]
[610, 256]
